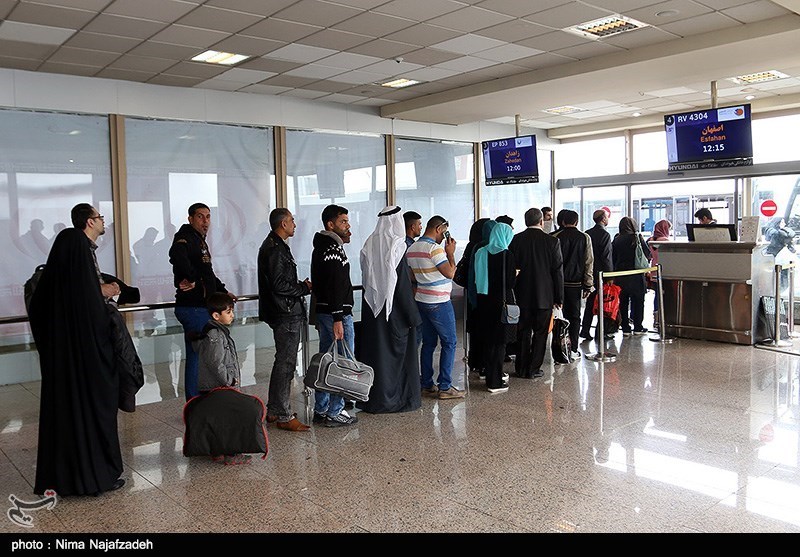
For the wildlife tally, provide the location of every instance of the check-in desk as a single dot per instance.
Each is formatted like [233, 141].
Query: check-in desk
[712, 290]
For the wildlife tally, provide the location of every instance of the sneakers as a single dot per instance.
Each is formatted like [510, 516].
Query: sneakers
[319, 418]
[342, 419]
[236, 459]
[501, 389]
[452, 392]
[639, 332]
[626, 333]
[430, 391]
[575, 355]
[505, 377]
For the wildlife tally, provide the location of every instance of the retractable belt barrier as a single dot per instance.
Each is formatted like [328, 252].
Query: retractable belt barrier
[603, 355]
[777, 341]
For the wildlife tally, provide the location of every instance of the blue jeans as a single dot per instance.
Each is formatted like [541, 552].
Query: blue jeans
[326, 403]
[193, 320]
[438, 322]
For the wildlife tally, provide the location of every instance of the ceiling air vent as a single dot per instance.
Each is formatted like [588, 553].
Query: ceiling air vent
[760, 77]
[606, 27]
[563, 110]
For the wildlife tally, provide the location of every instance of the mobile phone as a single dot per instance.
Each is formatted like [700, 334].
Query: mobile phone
[447, 235]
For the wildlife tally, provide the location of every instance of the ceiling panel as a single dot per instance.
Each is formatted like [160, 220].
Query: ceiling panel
[83, 57]
[554, 40]
[377, 24]
[755, 11]
[19, 63]
[335, 39]
[219, 19]
[280, 30]
[250, 46]
[329, 86]
[423, 10]
[423, 34]
[175, 80]
[99, 41]
[51, 15]
[567, 15]
[667, 12]
[158, 10]
[127, 75]
[163, 50]
[195, 69]
[428, 56]
[141, 63]
[259, 7]
[269, 65]
[319, 13]
[513, 31]
[705, 23]
[383, 48]
[640, 37]
[518, 9]
[34, 33]
[189, 36]
[124, 26]
[470, 19]
[69, 69]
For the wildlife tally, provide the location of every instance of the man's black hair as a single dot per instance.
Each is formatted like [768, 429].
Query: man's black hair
[331, 213]
[410, 217]
[569, 217]
[435, 221]
[219, 302]
[276, 217]
[80, 215]
[700, 213]
[195, 206]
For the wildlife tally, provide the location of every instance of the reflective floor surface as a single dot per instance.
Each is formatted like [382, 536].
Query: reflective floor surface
[692, 436]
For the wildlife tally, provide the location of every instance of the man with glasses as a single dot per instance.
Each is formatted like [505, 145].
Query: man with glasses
[434, 268]
[194, 281]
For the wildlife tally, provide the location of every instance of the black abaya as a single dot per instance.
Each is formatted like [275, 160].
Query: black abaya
[390, 347]
[78, 451]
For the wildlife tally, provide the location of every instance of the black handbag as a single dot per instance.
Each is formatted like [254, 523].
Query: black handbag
[331, 372]
[510, 313]
[561, 346]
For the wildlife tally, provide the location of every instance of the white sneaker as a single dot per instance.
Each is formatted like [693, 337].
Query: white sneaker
[576, 355]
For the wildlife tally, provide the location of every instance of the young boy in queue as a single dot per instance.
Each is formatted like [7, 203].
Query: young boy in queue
[218, 360]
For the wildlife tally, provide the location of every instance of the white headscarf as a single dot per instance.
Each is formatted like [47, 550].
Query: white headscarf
[382, 252]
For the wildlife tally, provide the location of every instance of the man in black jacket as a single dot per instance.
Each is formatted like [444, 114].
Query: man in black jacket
[576, 251]
[333, 294]
[601, 247]
[281, 305]
[194, 281]
[539, 288]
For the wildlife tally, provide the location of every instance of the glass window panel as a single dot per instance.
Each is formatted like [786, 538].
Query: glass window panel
[437, 178]
[611, 199]
[48, 163]
[326, 168]
[772, 139]
[172, 165]
[650, 151]
[596, 157]
[514, 200]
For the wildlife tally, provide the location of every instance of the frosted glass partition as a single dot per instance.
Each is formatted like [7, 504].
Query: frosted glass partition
[343, 169]
[172, 165]
[594, 157]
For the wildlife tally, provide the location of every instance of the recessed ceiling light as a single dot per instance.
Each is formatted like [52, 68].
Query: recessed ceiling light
[606, 27]
[561, 110]
[216, 57]
[400, 82]
[667, 13]
[759, 77]
[636, 114]
[749, 97]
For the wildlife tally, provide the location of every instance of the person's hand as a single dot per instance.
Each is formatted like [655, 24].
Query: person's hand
[585, 293]
[110, 290]
[308, 283]
[450, 247]
[338, 330]
[185, 285]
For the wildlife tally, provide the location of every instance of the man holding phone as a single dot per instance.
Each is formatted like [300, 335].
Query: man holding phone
[434, 267]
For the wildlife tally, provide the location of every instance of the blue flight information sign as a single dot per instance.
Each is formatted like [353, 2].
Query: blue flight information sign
[713, 138]
[510, 161]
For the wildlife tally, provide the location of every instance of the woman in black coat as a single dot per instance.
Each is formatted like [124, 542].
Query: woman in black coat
[623, 251]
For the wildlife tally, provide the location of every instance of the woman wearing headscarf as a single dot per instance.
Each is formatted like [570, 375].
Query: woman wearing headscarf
[623, 253]
[462, 278]
[389, 317]
[660, 234]
[493, 263]
[78, 452]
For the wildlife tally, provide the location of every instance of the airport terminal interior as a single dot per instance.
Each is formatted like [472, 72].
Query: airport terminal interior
[646, 109]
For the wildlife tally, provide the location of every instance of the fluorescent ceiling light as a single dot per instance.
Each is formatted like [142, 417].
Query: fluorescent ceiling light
[606, 27]
[749, 97]
[224, 58]
[400, 82]
[760, 77]
[562, 110]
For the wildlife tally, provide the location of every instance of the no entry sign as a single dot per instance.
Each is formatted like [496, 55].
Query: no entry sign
[769, 208]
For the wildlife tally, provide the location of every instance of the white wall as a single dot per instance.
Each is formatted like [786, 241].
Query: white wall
[43, 91]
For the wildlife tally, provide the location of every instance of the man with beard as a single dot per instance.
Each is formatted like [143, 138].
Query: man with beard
[333, 294]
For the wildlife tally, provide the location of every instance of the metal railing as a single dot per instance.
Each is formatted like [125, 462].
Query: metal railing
[602, 354]
[777, 341]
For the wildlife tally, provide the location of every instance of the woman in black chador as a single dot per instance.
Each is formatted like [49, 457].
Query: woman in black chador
[78, 450]
[389, 319]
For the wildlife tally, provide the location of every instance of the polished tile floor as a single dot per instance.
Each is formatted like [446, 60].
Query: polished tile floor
[691, 436]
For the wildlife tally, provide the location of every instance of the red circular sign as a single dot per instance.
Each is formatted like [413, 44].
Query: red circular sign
[769, 208]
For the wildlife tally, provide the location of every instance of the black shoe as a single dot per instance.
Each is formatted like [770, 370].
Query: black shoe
[507, 358]
[117, 484]
[587, 336]
[538, 373]
[319, 418]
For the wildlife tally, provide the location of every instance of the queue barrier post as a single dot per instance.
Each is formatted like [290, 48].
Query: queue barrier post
[662, 320]
[602, 355]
